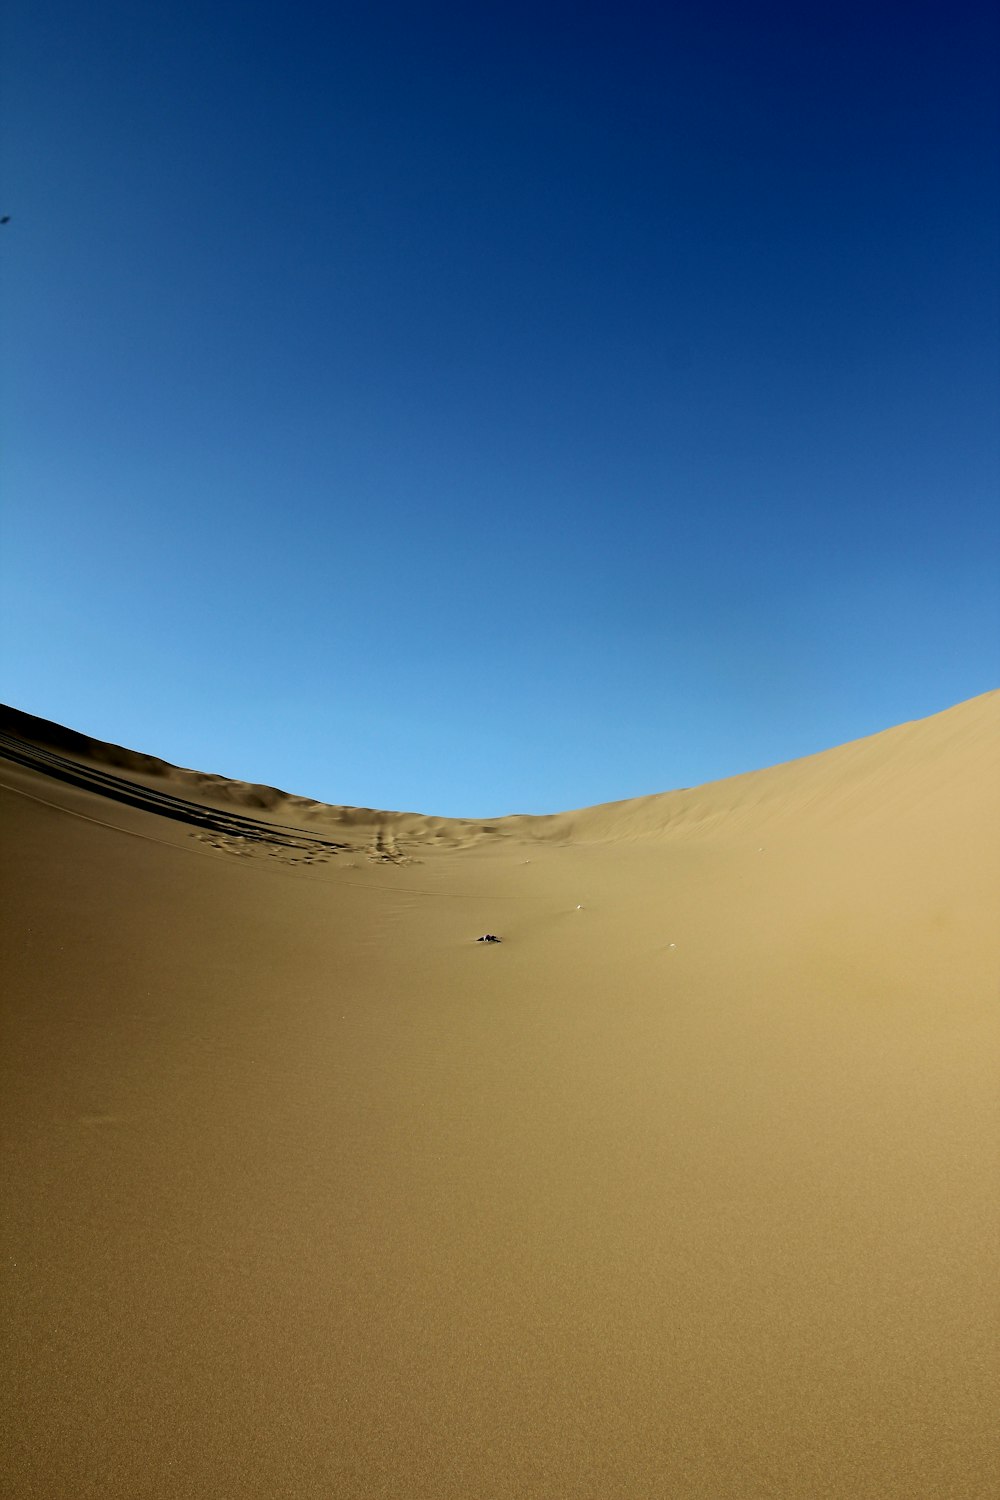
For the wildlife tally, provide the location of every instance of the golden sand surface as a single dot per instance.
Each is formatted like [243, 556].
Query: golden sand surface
[687, 1188]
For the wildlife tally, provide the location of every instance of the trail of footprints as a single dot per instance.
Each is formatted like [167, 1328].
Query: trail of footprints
[384, 848]
[386, 851]
[230, 831]
[244, 846]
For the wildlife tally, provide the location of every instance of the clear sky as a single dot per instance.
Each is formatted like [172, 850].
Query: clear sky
[476, 408]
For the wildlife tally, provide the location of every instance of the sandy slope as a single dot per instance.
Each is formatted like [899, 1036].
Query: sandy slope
[686, 1189]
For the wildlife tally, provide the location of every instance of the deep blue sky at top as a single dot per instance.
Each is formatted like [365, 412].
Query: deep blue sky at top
[479, 408]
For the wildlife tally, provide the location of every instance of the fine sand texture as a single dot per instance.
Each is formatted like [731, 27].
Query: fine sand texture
[686, 1188]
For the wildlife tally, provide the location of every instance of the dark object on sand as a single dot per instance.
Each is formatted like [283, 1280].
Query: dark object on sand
[489, 937]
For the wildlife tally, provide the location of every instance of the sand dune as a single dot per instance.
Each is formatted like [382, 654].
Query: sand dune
[685, 1189]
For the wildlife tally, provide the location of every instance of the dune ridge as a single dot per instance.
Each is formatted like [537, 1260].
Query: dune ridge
[686, 1188]
[957, 742]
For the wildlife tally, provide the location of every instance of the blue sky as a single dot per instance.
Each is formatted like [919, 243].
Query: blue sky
[478, 409]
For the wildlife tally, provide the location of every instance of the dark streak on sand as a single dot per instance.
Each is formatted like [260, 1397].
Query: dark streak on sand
[132, 794]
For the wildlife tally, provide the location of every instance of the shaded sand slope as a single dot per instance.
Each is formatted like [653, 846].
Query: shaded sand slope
[688, 1188]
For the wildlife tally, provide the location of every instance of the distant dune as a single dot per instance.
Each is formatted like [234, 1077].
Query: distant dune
[686, 1188]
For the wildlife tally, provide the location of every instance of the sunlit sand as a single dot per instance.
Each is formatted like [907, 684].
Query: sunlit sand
[687, 1187]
